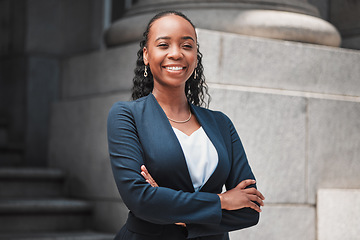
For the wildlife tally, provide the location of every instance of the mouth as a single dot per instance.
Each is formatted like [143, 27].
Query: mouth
[174, 68]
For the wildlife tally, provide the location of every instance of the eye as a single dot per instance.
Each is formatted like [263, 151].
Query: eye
[162, 45]
[187, 46]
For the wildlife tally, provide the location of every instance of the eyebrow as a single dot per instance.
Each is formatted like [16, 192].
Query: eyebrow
[167, 38]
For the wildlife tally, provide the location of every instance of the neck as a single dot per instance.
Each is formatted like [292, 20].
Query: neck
[172, 101]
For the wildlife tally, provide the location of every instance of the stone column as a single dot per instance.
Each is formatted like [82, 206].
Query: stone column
[345, 15]
[294, 20]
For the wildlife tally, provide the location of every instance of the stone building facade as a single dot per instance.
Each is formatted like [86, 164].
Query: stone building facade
[285, 71]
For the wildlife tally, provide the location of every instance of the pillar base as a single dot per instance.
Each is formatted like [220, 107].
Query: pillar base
[273, 24]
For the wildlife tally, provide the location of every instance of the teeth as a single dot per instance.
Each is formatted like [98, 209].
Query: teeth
[174, 68]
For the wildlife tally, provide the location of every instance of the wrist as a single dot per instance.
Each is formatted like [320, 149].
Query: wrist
[222, 200]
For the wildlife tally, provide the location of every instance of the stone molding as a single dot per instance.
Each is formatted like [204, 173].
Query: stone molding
[145, 6]
[276, 19]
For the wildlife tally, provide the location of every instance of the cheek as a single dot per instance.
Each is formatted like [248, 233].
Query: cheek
[194, 59]
[155, 58]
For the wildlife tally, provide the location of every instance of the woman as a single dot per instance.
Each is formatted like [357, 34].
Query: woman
[170, 157]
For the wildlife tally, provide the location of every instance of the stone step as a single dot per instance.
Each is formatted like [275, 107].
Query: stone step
[10, 159]
[3, 131]
[86, 235]
[3, 121]
[44, 215]
[30, 183]
[3, 136]
[14, 147]
[11, 155]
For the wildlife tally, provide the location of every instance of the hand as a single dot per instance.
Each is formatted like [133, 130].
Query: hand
[181, 224]
[242, 197]
[148, 177]
[151, 181]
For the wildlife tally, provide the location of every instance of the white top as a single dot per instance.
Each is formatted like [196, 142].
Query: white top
[200, 154]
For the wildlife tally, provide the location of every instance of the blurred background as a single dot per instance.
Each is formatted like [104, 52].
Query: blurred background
[287, 72]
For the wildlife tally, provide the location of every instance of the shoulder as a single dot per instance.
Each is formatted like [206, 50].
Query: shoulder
[127, 107]
[217, 116]
[124, 113]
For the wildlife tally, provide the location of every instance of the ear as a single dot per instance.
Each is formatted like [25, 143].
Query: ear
[145, 56]
[196, 61]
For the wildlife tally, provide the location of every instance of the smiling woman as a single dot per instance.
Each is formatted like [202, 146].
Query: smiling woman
[170, 157]
[195, 90]
[171, 52]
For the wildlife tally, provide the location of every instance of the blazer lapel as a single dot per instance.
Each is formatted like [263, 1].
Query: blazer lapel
[161, 128]
[218, 177]
[166, 155]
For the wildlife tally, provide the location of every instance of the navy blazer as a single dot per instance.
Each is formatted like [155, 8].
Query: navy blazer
[140, 133]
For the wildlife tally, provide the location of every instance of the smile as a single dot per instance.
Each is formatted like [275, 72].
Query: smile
[174, 68]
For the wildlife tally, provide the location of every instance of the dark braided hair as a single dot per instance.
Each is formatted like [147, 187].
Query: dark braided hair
[195, 89]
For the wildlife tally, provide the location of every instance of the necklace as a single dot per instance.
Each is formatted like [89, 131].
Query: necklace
[185, 121]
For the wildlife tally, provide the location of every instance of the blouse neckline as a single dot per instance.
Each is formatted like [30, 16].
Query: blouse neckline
[194, 132]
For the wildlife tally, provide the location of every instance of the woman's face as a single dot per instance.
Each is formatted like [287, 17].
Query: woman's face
[171, 51]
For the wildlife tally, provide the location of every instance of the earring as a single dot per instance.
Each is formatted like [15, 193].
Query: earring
[195, 74]
[145, 72]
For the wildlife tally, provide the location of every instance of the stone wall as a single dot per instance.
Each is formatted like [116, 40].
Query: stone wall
[35, 36]
[296, 108]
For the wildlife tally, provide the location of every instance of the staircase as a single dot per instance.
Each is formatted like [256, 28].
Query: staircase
[32, 200]
[33, 206]
[10, 154]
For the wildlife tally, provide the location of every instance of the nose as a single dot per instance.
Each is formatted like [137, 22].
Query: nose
[175, 53]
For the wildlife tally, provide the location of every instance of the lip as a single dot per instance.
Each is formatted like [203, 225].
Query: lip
[174, 66]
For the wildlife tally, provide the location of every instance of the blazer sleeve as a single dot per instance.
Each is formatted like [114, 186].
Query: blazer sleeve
[240, 170]
[154, 204]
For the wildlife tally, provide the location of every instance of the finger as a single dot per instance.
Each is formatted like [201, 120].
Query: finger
[181, 224]
[255, 207]
[254, 191]
[261, 196]
[148, 178]
[144, 169]
[152, 183]
[145, 176]
[155, 184]
[145, 173]
[243, 184]
[255, 198]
